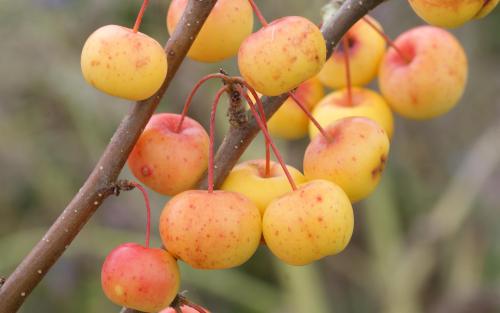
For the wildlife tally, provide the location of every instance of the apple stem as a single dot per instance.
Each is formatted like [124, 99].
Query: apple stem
[138, 21]
[304, 108]
[260, 106]
[211, 165]
[387, 39]
[192, 94]
[148, 211]
[268, 138]
[258, 12]
[345, 46]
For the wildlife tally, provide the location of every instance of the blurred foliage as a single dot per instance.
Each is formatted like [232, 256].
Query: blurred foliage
[427, 241]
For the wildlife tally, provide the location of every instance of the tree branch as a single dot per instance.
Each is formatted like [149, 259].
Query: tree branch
[97, 187]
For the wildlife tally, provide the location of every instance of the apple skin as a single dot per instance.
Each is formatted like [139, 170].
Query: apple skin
[184, 309]
[144, 279]
[365, 54]
[290, 122]
[228, 24]
[365, 103]
[354, 158]
[166, 161]
[248, 178]
[279, 57]
[312, 222]
[216, 230]
[434, 80]
[488, 7]
[122, 63]
[451, 13]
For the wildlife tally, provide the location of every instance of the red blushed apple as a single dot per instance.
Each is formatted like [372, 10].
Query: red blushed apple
[145, 279]
[170, 162]
[211, 230]
[431, 81]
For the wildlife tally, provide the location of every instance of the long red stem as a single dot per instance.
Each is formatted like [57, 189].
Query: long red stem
[212, 139]
[387, 39]
[189, 100]
[304, 108]
[258, 12]
[138, 21]
[148, 211]
[268, 138]
[345, 46]
[260, 106]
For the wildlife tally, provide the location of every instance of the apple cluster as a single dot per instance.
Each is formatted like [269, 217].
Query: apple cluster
[301, 217]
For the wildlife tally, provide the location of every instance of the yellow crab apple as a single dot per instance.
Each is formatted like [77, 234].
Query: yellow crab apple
[290, 122]
[432, 79]
[312, 222]
[282, 55]
[145, 279]
[366, 49]
[211, 230]
[365, 102]
[353, 156]
[228, 24]
[249, 178]
[168, 161]
[123, 63]
[451, 13]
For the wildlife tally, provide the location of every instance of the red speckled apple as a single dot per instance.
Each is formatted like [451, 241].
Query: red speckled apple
[353, 157]
[166, 161]
[432, 82]
[211, 230]
[228, 24]
[145, 279]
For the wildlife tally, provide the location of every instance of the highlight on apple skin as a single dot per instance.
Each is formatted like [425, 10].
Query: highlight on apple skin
[433, 81]
[228, 24]
[122, 63]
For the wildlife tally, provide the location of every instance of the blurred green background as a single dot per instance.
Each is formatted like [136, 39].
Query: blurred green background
[428, 240]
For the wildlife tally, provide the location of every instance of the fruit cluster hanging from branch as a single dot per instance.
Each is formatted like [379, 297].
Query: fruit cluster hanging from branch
[301, 218]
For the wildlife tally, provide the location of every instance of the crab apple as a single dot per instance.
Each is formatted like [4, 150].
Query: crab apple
[123, 63]
[353, 156]
[312, 222]
[144, 279]
[365, 103]
[250, 179]
[184, 309]
[290, 122]
[229, 23]
[167, 161]
[366, 49]
[282, 55]
[211, 230]
[432, 82]
[451, 13]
